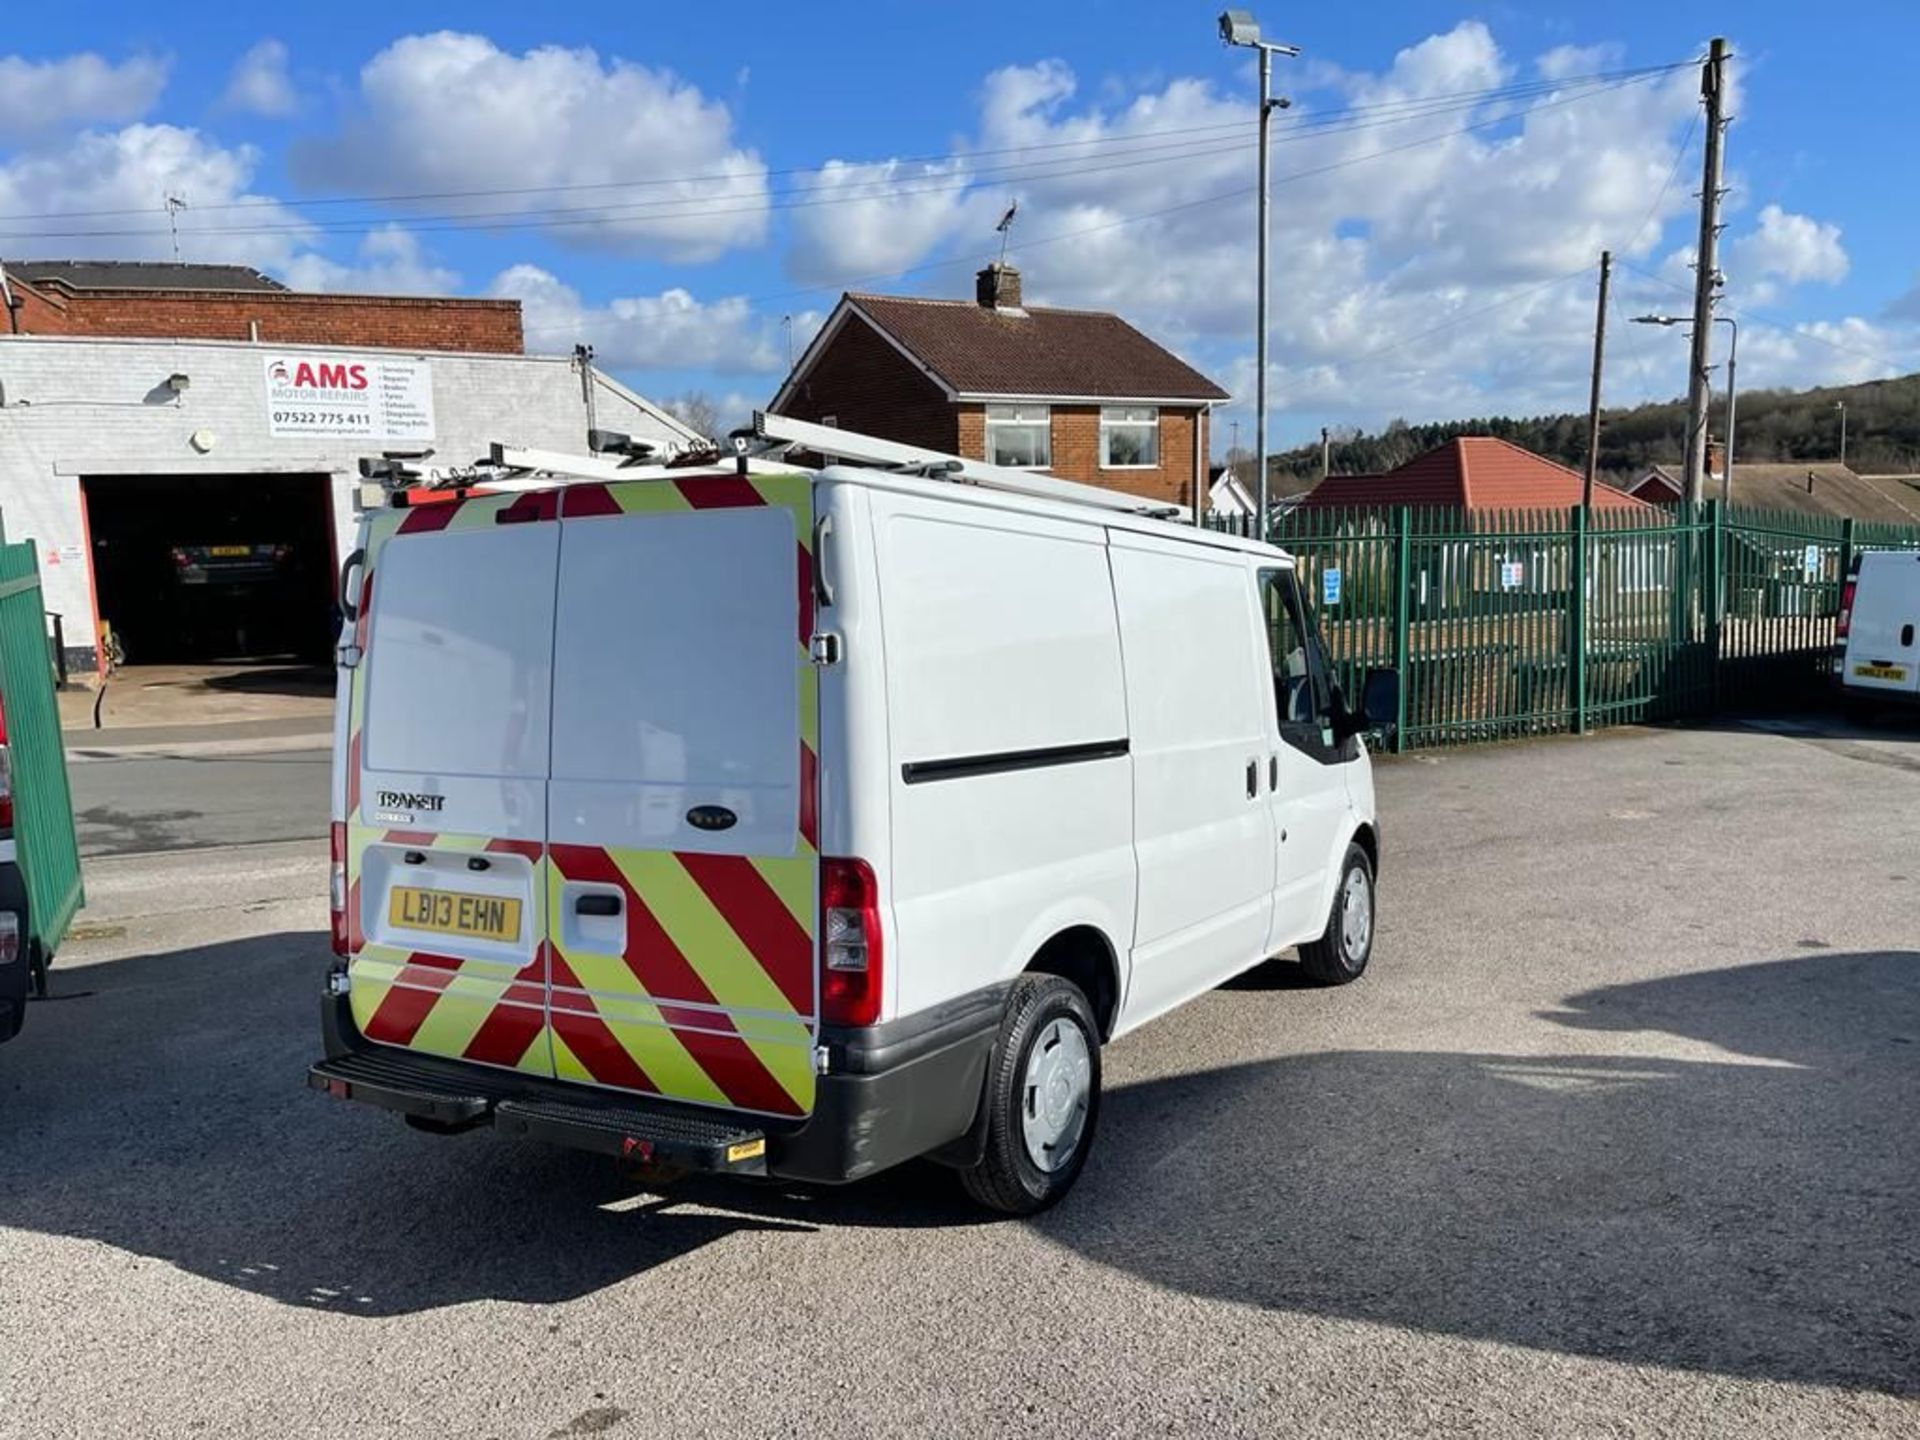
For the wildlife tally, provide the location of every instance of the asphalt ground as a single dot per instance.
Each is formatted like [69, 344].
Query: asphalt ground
[1616, 1137]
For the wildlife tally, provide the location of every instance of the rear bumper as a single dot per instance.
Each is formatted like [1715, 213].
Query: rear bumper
[890, 1094]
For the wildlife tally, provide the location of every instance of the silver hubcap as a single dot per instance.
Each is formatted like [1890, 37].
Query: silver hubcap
[1356, 914]
[1055, 1094]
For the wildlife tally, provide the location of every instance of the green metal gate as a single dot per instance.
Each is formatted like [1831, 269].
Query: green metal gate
[1505, 623]
[49, 854]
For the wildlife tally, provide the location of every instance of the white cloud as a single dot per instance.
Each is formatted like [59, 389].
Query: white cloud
[866, 219]
[128, 171]
[390, 262]
[1420, 267]
[614, 142]
[260, 84]
[1790, 248]
[669, 331]
[38, 97]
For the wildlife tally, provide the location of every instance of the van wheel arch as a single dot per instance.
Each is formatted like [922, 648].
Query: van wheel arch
[1084, 955]
[1369, 841]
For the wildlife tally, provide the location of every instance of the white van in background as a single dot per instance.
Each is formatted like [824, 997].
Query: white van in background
[795, 823]
[1878, 661]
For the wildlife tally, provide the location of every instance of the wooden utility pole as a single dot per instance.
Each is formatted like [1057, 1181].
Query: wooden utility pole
[1599, 360]
[1706, 272]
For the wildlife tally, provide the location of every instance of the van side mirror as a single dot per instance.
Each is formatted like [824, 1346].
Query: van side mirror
[1380, 699]
[1379, 705]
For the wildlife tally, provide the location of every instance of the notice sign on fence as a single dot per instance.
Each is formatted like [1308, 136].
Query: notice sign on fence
[344, 398]
[1810, 562]
[1329, 587]
[1513, 574]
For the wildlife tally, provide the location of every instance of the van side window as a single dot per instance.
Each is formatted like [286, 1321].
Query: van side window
[1299, 682]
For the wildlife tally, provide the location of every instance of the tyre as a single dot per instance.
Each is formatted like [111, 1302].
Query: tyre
[1042, 1098]
[1340, 955]
[1859, 711]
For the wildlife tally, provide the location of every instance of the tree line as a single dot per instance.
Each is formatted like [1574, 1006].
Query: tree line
[1883, 435]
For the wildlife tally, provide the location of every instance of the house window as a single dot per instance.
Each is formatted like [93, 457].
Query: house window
[1020, 435]
[1129, 437]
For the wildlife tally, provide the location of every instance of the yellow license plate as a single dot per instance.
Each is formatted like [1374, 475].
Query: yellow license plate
[450, 912]
[1881, 672]
[229, 552]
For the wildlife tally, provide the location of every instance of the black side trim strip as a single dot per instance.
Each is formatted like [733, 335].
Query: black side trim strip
[960, 767]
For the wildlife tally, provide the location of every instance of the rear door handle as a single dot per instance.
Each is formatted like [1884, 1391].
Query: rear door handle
[1906, 636]
[1253, 778]
[597, 905]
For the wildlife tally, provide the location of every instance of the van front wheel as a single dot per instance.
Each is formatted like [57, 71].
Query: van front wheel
[1342, 951]
[1042, 1098]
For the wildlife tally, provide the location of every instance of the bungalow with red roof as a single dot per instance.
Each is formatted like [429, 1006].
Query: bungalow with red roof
[1473, 472]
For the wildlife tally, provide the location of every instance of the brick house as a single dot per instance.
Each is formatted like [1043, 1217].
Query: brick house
[1080, 394]
[128, 299]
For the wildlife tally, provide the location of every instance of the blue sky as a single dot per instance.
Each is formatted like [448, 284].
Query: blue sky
[673, 182]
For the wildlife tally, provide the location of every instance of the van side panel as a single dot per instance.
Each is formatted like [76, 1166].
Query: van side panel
[1203, 829]
[1010, 793]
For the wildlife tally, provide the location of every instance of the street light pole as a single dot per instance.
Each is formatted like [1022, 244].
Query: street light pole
[1841, 406]
[1266, 260]
[1238, 27]
[1733, 361]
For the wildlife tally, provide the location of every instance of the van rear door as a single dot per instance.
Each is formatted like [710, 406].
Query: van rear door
[682, 888]
[1883, 649]
[447, 756]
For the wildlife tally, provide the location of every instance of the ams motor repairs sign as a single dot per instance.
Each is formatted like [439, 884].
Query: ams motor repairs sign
[349, 399]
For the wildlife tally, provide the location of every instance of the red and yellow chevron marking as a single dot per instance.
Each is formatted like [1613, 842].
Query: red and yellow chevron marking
[712, 998]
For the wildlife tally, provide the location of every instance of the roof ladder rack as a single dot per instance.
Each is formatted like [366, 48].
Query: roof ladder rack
[837, 444]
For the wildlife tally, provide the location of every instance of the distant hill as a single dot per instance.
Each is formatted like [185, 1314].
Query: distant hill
[1883, 434]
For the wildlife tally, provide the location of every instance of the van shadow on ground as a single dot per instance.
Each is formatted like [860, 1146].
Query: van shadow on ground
[1755, 1216]
[1752, 1214]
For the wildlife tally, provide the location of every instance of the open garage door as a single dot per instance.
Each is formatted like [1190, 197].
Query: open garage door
[206, 568]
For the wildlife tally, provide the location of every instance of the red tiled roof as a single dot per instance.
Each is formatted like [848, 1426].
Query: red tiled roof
[1474, 472]
[1036, 351]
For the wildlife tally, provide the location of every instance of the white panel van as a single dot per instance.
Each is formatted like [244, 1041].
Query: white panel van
[799, 824]
[1878, 659]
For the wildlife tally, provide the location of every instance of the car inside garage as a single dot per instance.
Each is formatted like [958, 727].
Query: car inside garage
[213, 568]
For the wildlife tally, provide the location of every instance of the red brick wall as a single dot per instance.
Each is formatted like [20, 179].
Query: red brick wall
[1076, 451]
[293, 318]
[867, 385]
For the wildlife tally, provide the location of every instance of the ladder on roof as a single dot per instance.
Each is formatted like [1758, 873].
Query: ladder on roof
[837, 444]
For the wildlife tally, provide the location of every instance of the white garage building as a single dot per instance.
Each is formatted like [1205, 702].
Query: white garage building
[198, 494]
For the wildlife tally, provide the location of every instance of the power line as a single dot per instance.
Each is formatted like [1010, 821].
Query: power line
[1218, 198]
[1350, 120]
[1754, 317]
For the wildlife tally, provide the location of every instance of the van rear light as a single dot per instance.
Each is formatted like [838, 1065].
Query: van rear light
[9, 937]
[851, 946]
[1846, 608]
[337, 885]
[6, 785]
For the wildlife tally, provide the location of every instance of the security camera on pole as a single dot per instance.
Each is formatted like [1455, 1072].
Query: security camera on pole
[1238, 27]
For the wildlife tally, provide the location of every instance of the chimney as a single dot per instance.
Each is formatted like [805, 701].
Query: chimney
[1716, 457]
[997, 287]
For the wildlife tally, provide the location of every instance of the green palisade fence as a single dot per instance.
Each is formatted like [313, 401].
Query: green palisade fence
[1506, 623]
[42, 804]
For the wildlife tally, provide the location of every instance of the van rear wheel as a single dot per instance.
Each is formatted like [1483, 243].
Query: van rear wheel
[1042, 1098]
[1341, 953]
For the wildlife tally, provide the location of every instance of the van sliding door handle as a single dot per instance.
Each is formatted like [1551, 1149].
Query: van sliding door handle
[1253, 779]
[597, 905]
